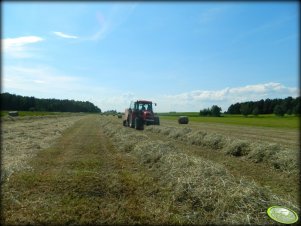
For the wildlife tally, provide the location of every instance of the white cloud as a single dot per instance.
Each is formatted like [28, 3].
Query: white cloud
[63, 35]
[117, 15]
[21, 41]
[38, 79]
[18, 47]
[199, 99]
[47, 82]
[116, 100]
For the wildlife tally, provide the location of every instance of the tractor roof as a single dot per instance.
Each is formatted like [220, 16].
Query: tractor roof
[144, 101]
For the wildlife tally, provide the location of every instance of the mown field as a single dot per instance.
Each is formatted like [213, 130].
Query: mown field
[89, 169]
[4, 114]
[272, 121]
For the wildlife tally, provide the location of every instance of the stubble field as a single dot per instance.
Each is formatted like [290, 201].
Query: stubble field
[92, 170]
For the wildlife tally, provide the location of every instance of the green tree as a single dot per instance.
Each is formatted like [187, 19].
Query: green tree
[267, 106]
[20, 103]
[216, 111]
[205, 112]
[245, 109]
[279, 110]
[260, 105]
[234, 109]
[255, 111]
[296, 109]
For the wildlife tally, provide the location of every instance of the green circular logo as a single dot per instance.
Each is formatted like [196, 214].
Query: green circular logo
[282, 214]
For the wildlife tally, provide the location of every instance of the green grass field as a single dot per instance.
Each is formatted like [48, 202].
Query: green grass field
[288, 121]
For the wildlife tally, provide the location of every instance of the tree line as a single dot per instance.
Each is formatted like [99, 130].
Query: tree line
[214, 111]
[279, 107]
[12, 102]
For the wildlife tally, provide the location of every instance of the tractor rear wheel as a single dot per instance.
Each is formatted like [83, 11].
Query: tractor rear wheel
[139, 124]
[156, 121]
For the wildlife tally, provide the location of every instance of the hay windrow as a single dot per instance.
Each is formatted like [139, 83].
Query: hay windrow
[179, 134]
[238, 148]
[194, 188]
[277, 156]
[196, 137]
[23, 138]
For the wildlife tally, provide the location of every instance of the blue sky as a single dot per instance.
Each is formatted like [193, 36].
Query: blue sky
[184, 56]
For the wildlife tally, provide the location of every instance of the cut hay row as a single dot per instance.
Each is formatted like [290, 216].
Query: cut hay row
[286, 137]
[275, 155]
[197, 191]
[22, 139]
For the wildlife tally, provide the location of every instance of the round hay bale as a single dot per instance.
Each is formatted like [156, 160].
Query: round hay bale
[13, 113]
[183, 120]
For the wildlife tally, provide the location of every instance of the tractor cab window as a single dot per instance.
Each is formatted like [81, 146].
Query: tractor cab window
[141, 107]
[144, 107]
[149, 107]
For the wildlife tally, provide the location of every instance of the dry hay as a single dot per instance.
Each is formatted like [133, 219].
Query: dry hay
[179, 133]
[22, 139]
[159, 129]
[237, 148]
[196, 137]
[197, 191]
[214, 141]
[281, 158]
[275, 155]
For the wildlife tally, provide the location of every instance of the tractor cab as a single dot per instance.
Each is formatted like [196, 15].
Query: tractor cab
[142, 112]
[141, 105]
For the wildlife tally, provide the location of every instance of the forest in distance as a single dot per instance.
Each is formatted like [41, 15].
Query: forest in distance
[23, 103]
[288, 105]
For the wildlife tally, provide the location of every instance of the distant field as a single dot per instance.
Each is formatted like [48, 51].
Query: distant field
[39, 113]
[32, 113]
[291, 122]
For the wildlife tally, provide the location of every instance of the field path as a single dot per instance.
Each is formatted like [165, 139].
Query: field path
[81, 179]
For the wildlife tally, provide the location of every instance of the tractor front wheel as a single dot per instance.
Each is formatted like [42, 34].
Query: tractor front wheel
[156, 121]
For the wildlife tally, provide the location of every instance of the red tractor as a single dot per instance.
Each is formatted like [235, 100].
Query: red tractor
[139, 114]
